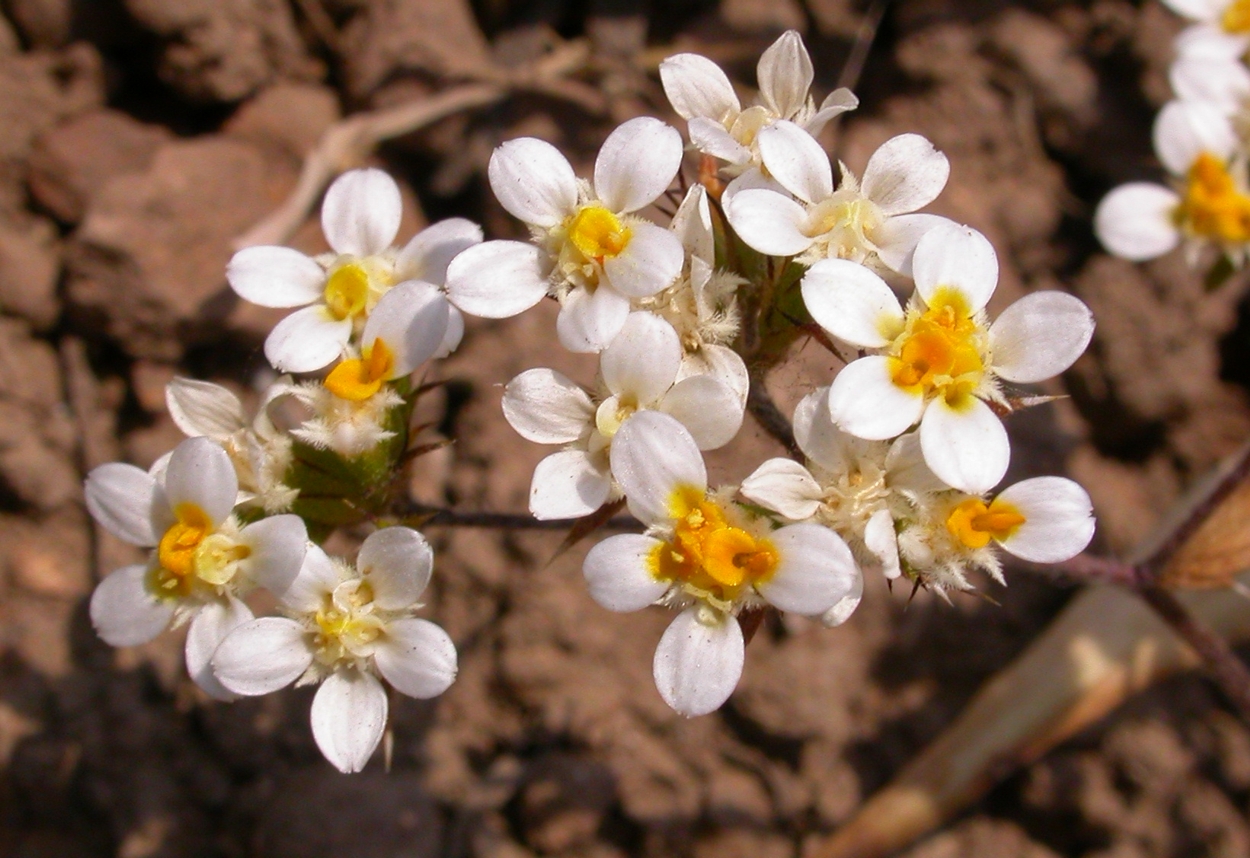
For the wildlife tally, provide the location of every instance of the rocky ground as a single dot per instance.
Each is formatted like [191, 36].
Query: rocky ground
[139, 137]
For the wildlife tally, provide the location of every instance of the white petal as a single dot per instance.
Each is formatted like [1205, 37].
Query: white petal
[692, 224]
[262, 656]
[835, 104]
[1224, 81]
[865, 401]
[533, 181]
[417, 658]
[696, 86]
[697, 666]
[568, 484]
[278, 545]
[201, 473]
[589, 321]
[203, 408]
[722, 363]
[852, 303]
[1135, 222]
[275, 277]
[906, 470]
[652, 456]
[769, 222]
[123, 610]
[905, 174]
[1198, 10]
[815, 570]
[1058, 519]
[120, 498]
[881, 539]
[966, 448]
[817, 436]
[317, 578]
[785, 487]
[412, 320]
[711, 138]
[397, 563]
[429, 252]
[208, 629]
[348, 718]
[706, 406]
[643, 360]
[752, 178]
[454, 334]
[796, 160]
[637, 163]
[785, 75]
[650, 262]
[361, 212]
[1040, 336]
[1185, 129]
[545, 407]
[618, 572]
[307, 340]
[896, 238]
[958, 258]
[1210, 41]
[841, 612]
[497, 279]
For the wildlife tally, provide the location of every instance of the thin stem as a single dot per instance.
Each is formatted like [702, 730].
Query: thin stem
[770, 418]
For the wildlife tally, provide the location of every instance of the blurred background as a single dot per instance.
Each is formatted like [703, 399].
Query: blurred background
[139, 138]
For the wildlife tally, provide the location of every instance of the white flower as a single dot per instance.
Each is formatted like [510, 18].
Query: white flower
[1221, 81]
[345, 626]
[1197, 143]
[261, 454]
[202, 561]
[856, 487]
[704, 555]
[639, 372]
[940, 359]
[591, 251]
[1042, 520]
[701, 93]
[864, 222]
[360, 218]
[1222, 28]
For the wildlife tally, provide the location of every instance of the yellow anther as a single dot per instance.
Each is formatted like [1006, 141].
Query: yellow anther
[939, 351]
[1212, 206]
[347, 291]
[974, 524]
[1236, 18]
[356, 379]
[176, 552]
[598, 233]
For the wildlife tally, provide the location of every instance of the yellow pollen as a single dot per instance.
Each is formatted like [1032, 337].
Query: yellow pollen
[1212, 206]
[939, 351]
[708, 553]
[974, 524]
[176, 552]
[598, 233]
[356, 379]
[1236, 18]
[347, 290]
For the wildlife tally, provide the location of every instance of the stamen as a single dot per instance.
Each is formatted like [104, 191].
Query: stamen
[974, 524]
[1213, 206]
[357, 379]
[598, 233]
[347, 291]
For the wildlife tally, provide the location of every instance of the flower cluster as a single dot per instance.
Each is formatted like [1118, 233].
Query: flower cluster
[902, 452]
[1202, 137]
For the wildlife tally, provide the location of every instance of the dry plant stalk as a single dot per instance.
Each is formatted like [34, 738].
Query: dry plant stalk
[1105, 647]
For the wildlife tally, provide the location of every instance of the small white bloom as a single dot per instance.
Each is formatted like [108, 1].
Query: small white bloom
[1210, 205]
[705, 556]
[865, 222]
[939, 360]
[1222, 27]
[343, 627]
[360, 218]
[701, 93]
[639, 372]
[203, 560]
[1042, 520]
[261, 454]
[589, 248]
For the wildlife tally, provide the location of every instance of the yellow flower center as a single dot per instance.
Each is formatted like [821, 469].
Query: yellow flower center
[974, 524]
[598, 233]
[190, 549]
[1236, 18]
[707, 553]
[347, 291]
[357, 379]
[940, 350]
[1212, 206]
[346, 624]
